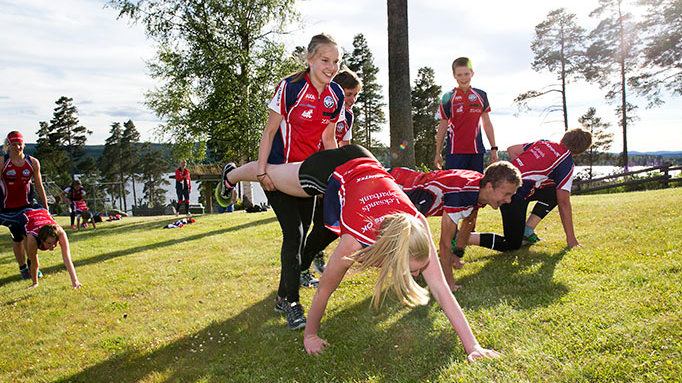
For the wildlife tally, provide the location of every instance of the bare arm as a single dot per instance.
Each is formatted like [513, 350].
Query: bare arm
[271, 127]
[31, 247]
[433, 274]
[466, 227]
[563, 199]
[38, 180]
[490, 133]
[331, 278]
[448, 229]
[440, 136]
[514, 151]
[66, 257]
[328, 136]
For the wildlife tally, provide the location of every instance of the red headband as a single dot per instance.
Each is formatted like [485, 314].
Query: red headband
[15, 137]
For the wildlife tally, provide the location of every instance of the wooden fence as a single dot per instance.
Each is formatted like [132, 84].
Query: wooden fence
[611, 181]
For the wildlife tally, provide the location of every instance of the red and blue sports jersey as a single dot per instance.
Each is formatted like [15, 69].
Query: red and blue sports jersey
[344, 129]
[544, 164]
[75, 194]
[35, 219]
[306, 114]
[463, 111]
[454, 192]
[359, 196]
[79, 206]
[183, 178]
[15, 183]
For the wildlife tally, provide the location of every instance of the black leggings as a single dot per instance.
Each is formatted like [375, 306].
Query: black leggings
[514, 220]
[317, 169]
[319, 238]
[294, 215]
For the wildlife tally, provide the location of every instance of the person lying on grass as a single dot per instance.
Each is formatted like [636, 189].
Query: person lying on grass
[378, 227]
[41, 232]
[456, 195]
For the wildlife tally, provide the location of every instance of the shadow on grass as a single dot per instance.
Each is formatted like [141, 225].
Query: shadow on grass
[138, 249]
[523, 279]
[255, 346]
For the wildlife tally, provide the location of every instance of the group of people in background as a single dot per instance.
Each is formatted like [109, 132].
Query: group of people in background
[313, 175]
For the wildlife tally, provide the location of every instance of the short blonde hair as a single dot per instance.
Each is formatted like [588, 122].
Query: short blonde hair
[401, 237]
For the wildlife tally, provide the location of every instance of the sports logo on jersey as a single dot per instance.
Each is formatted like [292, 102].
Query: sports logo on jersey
[460, 109]
[458, 97]
[340, 127]
[11, 172]
[472, 97]
[325, 121]
[310, 97]
[26, 173]
[307, 114]
[328, 102]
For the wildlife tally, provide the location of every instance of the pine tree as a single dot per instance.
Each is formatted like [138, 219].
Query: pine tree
[110, 164]
[130, 142]
[425, 99]
[612, 58]
[400, 104]
[368, 108]
[559, 48]
[54, 162]
[154, 167]
[601, 139]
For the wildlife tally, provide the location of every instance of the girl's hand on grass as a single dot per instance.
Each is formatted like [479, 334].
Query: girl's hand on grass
[33, 285]
[77, 285]
[314, 344]
[479, 352]
[572, 242]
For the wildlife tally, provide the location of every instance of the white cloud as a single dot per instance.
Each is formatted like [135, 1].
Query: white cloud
[77, 48]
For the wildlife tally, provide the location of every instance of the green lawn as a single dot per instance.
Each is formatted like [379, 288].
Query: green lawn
[196, 305]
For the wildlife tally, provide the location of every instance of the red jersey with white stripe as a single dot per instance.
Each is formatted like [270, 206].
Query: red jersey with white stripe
[182, 177]
[360, 195]
[35, 219]
[79, 206]
[306, 115]
[544, 164]
[463, 111]
[16, 183]
[454, 192]
[344, 130]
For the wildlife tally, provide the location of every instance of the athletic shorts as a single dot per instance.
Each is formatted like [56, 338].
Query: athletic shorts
[316, 171]
[16, 223]
[468, 161]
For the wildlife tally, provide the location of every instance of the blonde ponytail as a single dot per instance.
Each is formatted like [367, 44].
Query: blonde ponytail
[401, 237]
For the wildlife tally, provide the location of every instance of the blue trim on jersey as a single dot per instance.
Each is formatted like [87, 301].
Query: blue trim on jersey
[332, 205]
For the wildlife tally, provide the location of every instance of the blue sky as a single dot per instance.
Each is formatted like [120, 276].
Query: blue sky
[77, 48]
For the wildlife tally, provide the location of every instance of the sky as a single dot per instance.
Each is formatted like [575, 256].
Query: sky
[77, 48]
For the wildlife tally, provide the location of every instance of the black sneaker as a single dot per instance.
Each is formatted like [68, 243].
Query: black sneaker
[318, 263]
[295, 316]
[225, 188]
[281, 305]
[25, 273]
[307, 280]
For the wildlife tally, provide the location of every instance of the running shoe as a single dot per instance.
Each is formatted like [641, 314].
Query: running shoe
[318, 263]
[281, 305]
[530, 239]
[295, 316]
[225, 188]
[307, 280]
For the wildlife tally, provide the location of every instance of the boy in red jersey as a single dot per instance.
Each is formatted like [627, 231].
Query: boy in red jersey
[183, 186]
[462, 113]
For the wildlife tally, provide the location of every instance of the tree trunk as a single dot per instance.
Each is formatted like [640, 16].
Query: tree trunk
[400, 103]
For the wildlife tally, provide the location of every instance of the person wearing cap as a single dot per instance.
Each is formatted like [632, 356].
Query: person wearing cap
[19, 171]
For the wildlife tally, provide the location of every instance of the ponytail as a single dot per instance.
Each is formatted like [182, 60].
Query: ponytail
[401, 237]
[313, 47]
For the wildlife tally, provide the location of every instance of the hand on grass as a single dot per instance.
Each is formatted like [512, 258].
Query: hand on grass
[479, 352]
[572, 242]
[457, 262]
[77, 285]
[314, 344]
[33, 285]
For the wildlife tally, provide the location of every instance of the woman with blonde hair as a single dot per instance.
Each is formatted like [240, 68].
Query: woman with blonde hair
[304, 111]
[378, 227]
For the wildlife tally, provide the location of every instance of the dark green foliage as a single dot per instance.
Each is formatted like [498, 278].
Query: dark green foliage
[152, 169]
[369, 107]
[217, 63]
[601, 140]
[425, 100]
[60, 144]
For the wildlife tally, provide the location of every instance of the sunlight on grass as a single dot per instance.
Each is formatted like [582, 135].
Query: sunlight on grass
[196, 305]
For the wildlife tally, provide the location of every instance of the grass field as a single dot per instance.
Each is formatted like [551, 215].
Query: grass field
[196, 305]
